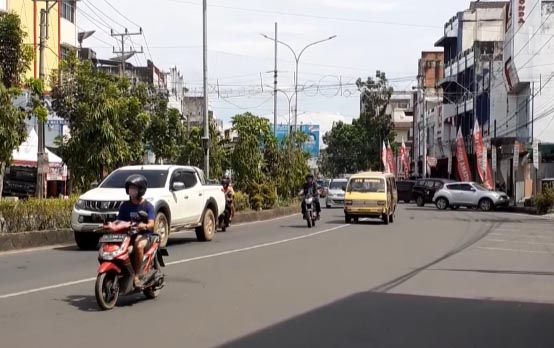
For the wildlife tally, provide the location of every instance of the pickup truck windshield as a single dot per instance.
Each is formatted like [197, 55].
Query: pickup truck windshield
[156, 178]
[366, 185]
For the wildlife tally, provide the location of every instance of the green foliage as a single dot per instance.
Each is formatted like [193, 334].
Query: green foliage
[107, 120]
[36, 215]
[356, 147]
[15, 56]
[545, 201]
[166, 132]
[247, 158]
[262, 196]
[241, 201]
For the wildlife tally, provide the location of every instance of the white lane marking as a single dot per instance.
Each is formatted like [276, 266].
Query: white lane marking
[51, 247]
[515, 250]
[76, 282]
[517, 241]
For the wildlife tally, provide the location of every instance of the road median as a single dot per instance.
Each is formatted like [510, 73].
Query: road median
[35, 239]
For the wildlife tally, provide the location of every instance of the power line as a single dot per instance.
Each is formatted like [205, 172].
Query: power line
[87, 2]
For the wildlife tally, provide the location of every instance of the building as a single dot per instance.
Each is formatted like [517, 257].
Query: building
[473, 44]
[401, 110]
[425, 103]
[62, 31]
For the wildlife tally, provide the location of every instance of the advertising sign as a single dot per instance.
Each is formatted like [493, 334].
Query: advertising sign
[311, 145]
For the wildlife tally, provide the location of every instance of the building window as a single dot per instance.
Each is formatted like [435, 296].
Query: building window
[64, 53]
[68, 10]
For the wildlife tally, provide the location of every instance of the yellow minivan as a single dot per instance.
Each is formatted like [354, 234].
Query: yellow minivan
[371, 195]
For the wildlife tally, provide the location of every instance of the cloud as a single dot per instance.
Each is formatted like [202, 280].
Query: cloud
[359, 5]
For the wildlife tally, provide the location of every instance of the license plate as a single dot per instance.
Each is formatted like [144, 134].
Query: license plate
[113, 238]
[103, 217]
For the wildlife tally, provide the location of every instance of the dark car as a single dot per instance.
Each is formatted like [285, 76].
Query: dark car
[405, 192]
[424, 190]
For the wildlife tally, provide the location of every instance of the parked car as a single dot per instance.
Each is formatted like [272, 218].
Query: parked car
[424, 190]
[335, 193]
[469, 194]
[179, 194]
[405, 190]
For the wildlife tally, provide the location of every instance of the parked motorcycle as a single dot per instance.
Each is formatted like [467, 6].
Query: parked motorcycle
[310, 215]
[116, 274]
[225, 217]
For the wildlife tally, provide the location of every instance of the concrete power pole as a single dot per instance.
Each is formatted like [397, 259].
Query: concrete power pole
[42, 155]
[275, 87]
[123, 52]
[206, 137]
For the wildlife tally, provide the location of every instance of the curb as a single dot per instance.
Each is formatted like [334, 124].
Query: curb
[27, 240]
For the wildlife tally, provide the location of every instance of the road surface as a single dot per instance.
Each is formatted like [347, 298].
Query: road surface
[431, 279]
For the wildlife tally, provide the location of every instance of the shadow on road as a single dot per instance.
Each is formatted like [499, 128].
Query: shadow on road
[87, 303]
[392, 320]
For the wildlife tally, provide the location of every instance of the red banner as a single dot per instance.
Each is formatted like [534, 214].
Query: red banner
[390, 160]
[404, 160]
[482, 161]
[461, 155]
[384, 158]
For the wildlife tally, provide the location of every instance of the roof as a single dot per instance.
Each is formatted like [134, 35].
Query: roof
[156, 167]
[487, 4]
[369, 174]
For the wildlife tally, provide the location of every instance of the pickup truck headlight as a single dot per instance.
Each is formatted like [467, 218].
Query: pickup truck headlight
[80, 204]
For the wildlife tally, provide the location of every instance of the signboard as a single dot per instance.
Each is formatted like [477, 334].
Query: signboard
[450, 162]
[536, 155]
[520, 11]
[43, 166]
[516, 155]
[311, 145]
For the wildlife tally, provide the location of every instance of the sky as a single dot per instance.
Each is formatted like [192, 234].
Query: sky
[371, 35]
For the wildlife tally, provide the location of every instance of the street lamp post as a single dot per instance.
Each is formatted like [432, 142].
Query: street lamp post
[289, 98]
[297, 60]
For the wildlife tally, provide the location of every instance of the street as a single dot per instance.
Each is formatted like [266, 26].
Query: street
[431, 279]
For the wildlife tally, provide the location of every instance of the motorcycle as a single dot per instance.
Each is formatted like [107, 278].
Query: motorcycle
[116, 274]
[225, 217]
[310, 215]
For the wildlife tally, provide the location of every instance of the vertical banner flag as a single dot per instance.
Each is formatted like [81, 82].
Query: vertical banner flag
[461, 157]
[384, 158]
[404, 160]
[390, 160]
[481, 154]
[536, 156]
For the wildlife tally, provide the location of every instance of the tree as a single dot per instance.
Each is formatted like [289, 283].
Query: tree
[166, 132]
[15, 60]
[355, 147]
[106, 120]
[247, 159]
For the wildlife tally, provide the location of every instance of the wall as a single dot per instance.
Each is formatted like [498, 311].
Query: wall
[3, 5]
[30, 20]
[68, 33]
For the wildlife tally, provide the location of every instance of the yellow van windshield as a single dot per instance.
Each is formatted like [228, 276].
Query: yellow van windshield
[366, 185]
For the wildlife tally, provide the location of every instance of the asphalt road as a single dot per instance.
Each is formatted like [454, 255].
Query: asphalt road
[431, 279]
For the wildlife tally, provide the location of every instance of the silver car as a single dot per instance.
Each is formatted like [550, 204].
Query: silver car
[469, 194]
[335, 193]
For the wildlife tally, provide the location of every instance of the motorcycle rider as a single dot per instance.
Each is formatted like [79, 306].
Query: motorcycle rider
[310, 186]
[135, 187]
[227, 189]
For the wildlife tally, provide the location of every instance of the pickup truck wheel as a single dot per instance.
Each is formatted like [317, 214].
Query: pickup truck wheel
[161, 228]
[205, 233]
[86, 241]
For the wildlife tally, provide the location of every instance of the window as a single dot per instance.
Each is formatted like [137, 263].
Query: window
[189, 179]
[68, 10]
[466, 187]
[155, 178]
[366, 185]
[454, 187]
[64, 53]
[430, 184]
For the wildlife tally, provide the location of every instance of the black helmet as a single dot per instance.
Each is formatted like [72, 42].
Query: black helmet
[309, 176]
[139, 181]
[225, 180]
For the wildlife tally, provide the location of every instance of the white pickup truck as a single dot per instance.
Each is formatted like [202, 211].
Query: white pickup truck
[179, 194]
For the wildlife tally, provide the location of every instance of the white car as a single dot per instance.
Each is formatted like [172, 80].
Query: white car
[335, 193]
[469, 194]
[179, 194]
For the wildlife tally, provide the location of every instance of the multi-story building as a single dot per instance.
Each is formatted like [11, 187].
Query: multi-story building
[473, 43]
[426, 104]
[526, 92]
[401, 110]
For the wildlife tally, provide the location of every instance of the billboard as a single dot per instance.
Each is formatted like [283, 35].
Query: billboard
[311, 145]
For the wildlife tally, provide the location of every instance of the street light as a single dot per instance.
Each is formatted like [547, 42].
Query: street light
[297, 60]
[289, 98]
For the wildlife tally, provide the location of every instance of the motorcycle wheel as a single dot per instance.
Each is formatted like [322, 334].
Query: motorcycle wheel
[152, 292]
[313, 222]
[106, 290]
[309, 221]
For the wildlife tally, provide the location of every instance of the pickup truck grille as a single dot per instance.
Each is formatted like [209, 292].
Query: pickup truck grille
[104, 206]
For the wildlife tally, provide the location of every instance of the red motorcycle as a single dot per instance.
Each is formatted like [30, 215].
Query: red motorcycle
[116, 274]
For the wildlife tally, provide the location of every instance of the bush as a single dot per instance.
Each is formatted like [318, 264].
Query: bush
[241, 201]
[262, 196]
[35, 215]
[545, 200]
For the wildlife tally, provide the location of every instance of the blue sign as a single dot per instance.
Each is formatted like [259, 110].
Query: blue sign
[311, 145]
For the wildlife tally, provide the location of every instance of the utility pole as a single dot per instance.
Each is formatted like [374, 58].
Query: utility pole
[275, 87]
[42, 155]
[206, 137]
[123, 52]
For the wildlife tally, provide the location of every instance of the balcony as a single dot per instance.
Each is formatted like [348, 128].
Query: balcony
[448, 111]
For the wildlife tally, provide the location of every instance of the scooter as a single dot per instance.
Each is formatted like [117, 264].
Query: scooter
[225, 217]
[310, 216]
[116, 275]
